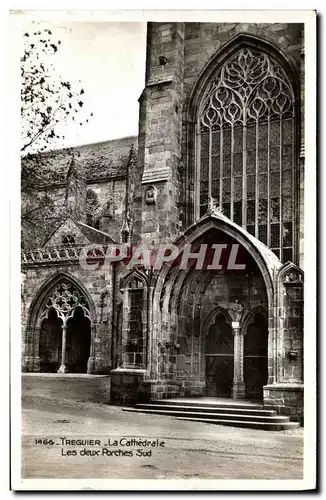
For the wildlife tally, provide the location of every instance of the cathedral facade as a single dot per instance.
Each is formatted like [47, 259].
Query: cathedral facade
[219, 160]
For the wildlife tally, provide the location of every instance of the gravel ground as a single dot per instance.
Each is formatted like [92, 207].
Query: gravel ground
[205, 451]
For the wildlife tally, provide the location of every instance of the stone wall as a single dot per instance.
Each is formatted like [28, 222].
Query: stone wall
[128, 387]
[160, 131]
[287, 399]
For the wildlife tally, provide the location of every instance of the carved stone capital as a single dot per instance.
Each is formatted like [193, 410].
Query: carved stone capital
[235, 311]
[236, 327]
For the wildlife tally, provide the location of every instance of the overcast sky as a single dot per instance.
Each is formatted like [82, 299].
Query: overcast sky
[109, 59]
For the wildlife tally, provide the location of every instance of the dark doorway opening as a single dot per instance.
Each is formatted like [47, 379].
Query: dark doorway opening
[256, 356]
[219, 354]
[50, 343]
[78, 342]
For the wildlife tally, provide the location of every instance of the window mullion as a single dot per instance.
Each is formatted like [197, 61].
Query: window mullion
[221, 166]
[244, 171]
[281, 189]
[197, 172]
[256, 181]
[210, 166]
[232, 177]
[268, 184]
[295, 199]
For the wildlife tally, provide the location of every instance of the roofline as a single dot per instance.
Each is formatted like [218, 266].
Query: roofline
[82, 145]
[79, 223]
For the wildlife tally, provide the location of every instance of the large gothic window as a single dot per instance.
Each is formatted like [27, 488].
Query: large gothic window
[246, 148]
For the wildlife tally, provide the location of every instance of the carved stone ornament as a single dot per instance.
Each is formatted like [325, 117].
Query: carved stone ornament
[249, 86]
[293, 276]
[213, 207]
[235, 311]
[64, 298]
[151, 195]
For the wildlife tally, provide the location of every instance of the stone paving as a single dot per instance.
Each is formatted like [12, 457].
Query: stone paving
[190, 450]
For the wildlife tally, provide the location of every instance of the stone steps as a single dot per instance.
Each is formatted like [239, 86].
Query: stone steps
[207, 409]
[266, 426]
[248, 415]
[213, 403]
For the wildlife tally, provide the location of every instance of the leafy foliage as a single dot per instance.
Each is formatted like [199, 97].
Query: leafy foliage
[46, 99]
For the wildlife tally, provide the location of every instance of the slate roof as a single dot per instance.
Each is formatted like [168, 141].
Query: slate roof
[96, 161]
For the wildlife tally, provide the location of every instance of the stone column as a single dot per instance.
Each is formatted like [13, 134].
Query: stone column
[36, 349]
[235, 311]
[63, 368]
[91, 359]
[238, 388]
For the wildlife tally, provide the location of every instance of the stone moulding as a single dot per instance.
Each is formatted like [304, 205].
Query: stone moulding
[55, 254]
[150, 176]
[284, 387]
[128, 371]
[167, 80]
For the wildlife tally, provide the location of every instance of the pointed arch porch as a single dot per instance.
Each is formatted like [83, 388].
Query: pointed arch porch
[267, 263]
[39, 310]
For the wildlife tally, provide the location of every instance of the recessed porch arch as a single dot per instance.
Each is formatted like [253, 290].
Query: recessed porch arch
[267, 263]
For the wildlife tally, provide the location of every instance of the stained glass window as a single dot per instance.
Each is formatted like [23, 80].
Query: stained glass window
[246, 144]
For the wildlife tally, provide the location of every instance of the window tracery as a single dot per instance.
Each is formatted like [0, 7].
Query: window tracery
[64, 299]
[246, 147]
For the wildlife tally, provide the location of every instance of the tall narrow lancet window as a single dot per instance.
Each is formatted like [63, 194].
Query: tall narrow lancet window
[246, 140]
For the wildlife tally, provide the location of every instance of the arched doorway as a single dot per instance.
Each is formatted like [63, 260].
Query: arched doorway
[219, 358]
[50, 342]
[256, 355]
[190, 299]
[78, 342]
[64, 344]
